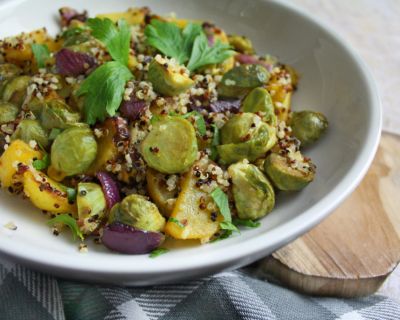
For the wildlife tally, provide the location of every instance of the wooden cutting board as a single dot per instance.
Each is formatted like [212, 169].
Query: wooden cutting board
[353, 251]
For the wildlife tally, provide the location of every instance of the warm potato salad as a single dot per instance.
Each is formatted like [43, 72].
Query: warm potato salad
[132, 127]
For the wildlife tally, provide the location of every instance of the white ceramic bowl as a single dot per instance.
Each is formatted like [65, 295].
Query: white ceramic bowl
[333, 80]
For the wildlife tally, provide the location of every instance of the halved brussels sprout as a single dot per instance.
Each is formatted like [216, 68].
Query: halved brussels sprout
[245, 136]
[171, 145]
[73, 151]
[308, 126]
[8, 112]
[54, 113]
[15, 90]
[9, 70]
[239, 81]
[241, 44]
[138, 212]
[45, 193]
[28, 130]
[286, 177]
[167, 81]
[91, 206]
[259, 100]
[253, 194]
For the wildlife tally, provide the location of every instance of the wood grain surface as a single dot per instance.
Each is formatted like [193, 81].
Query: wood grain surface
[353, 251]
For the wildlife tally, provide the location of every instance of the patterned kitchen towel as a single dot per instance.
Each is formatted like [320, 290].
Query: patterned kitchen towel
[29, 295]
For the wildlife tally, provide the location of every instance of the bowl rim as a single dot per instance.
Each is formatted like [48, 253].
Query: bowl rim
[255, 245]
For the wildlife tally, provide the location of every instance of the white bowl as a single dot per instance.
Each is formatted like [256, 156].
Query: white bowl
[333, 80]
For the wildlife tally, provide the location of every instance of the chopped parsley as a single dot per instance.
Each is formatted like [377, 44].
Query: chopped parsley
[176, 221]
[41, 164]
[158, 252]
[41, 53]
[68, 221]
[221, 200]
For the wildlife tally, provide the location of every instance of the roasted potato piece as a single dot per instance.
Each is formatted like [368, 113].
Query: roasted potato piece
[192, 216]
[22, 52]
[132, 16]
[281, 86]
[159, 193]
[17, 152]
[45, 193]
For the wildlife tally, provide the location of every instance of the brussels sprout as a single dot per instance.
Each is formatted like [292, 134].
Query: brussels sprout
[259, 100]
[239, 81]
[138, 212]
[73, 151]
[15, 90]
[253, 194]
[57, 114]
[167, 81]
[9, 70]
[308, 126]
[8, 112]
[286, 177]
[245, 136]
[171, 145]
[28, 130]
[241, 44]
[91, 206]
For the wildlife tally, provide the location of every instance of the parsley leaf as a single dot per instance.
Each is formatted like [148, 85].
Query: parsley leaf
[117, 40]
[41, 164]
[221, 200]
[200, 122]
[169, 39]
[246, 222]
[68, 221]
[203, 54]
[41, 53]
[225, 225]
[214, 143]
[189, 44]
[103, 90]
[176, 221]
[157, 252]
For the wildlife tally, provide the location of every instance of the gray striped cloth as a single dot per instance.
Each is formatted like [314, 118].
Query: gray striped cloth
[26, 295]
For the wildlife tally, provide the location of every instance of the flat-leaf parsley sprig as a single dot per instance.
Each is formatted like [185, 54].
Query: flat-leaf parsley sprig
[188, 45]
[103, 88]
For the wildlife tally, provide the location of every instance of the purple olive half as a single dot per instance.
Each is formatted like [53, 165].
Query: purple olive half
[125, 239]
